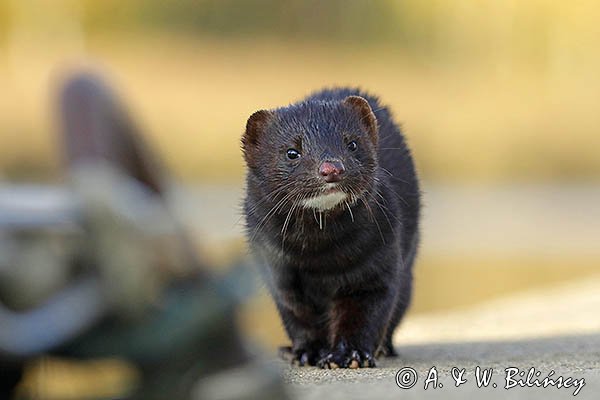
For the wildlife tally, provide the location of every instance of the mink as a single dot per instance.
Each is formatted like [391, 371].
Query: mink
[332, 212]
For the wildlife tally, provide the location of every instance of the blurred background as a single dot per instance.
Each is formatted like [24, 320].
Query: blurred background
[498, 99]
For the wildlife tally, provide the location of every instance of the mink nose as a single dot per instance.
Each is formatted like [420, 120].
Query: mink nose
[332, 171]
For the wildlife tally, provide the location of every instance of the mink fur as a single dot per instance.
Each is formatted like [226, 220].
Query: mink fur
[338, 257]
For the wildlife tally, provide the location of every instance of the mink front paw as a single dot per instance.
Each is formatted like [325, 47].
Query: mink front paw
[347, 358]
[302, 356]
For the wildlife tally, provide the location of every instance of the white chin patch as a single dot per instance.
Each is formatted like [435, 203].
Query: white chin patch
[325, 202]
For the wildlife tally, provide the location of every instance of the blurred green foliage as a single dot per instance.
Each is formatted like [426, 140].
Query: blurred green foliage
[426, 27]
[334, 19]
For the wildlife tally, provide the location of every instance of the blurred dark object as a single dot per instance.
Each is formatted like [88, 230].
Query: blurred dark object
[103, 269]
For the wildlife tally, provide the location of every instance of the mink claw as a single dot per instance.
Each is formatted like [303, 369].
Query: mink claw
[298, 358]
[354, 360]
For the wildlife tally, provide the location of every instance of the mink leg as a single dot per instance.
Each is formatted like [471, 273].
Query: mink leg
[358, 323]
[309, 340]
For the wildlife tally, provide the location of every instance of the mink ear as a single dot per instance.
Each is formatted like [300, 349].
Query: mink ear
[367, 117]
[254, 129]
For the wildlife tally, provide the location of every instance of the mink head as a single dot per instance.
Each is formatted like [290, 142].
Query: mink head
[315, 154]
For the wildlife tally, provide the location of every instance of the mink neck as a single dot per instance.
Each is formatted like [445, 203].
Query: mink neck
[347, 215]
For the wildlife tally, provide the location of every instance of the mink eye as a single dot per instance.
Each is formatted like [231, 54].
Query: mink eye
[352, 146]
[293, 154]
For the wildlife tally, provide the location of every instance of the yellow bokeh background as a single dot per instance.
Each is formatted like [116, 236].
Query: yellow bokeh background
[498, 95]
[488, 92]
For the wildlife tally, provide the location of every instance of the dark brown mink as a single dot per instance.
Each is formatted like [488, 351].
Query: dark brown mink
[332, 213]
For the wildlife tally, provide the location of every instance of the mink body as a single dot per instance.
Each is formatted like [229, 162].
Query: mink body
[332, 211]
